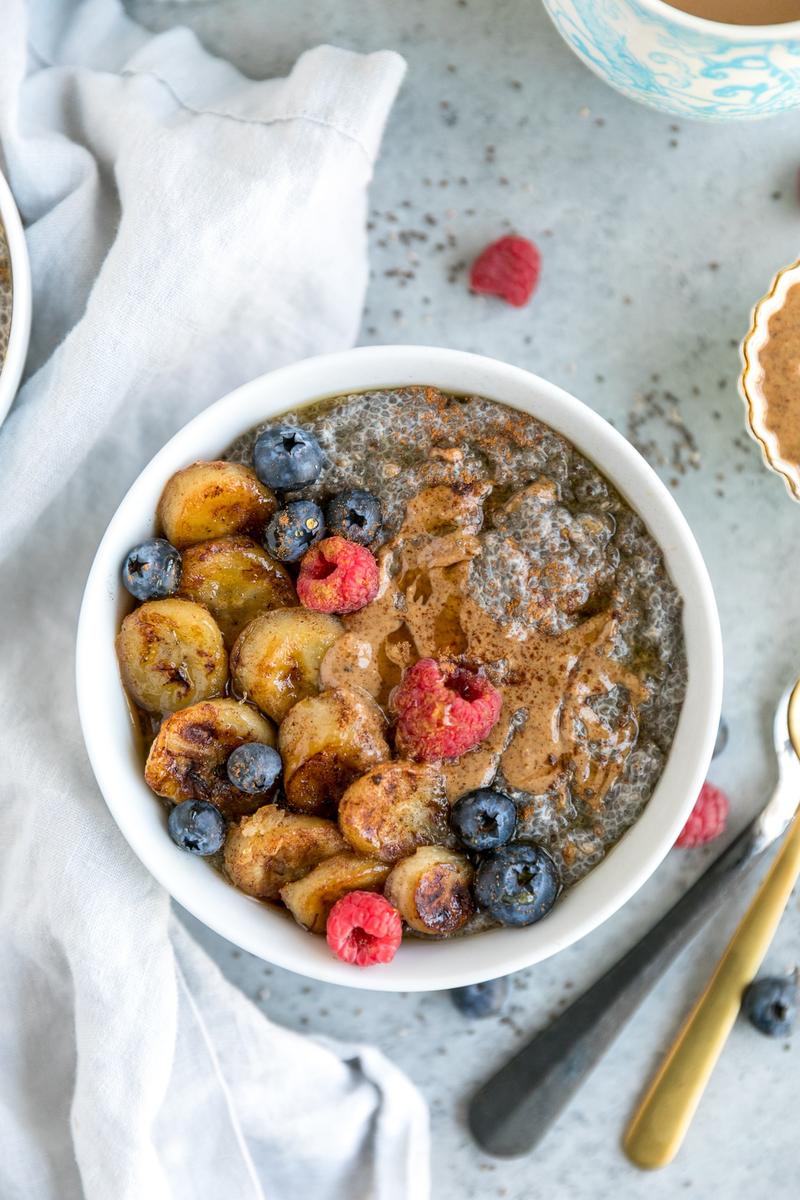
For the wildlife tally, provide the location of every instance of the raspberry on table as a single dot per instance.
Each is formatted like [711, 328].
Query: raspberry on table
[363, 929]
[443, 710]
[508, 268]
[707, 819]
[337, 576]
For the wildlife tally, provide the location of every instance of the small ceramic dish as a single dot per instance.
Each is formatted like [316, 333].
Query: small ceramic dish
[420, 964]
[752, 374]
[19, 334]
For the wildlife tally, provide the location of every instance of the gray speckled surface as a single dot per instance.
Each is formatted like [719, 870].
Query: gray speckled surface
[656, 238]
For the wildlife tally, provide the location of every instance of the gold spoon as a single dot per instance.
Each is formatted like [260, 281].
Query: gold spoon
[662, 1120]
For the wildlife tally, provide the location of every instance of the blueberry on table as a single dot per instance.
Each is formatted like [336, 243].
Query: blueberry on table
[481, 999]
[254, 767]
[484, 819]
[197, 826]
[294, 529]
[152, 570]
[517, 884]
[286, 458]
[355, 515]
[771, 1004]
[722, 737]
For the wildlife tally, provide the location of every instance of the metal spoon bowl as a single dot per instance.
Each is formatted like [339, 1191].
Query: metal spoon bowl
[663, 1118]
[514, 1109]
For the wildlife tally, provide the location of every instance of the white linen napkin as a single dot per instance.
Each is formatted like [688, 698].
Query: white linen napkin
[188, 229]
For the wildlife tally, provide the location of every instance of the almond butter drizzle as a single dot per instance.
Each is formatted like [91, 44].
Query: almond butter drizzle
[425, 609]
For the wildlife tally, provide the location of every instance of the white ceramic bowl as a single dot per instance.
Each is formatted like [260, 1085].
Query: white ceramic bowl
[268, 933]
[19, 334]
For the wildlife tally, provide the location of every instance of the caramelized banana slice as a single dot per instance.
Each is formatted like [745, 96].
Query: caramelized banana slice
[272, 848]
[275, 661]
[311, 898]
[326, 742]
[187, 760]
[432, 890]
[236, 580]
[393, 809]
[171, 654]
[211, 500]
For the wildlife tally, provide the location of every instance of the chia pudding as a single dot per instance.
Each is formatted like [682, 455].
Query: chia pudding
[505, 548]
[5, 296]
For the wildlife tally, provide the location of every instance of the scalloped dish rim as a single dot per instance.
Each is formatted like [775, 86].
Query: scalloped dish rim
[749, 383]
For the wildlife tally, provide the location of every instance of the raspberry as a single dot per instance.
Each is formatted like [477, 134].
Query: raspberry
[508, 268]
[707, 819]
[443, 710]
[337, 576]
[364, 929]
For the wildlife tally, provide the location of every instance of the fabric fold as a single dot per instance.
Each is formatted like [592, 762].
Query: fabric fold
[188, 229]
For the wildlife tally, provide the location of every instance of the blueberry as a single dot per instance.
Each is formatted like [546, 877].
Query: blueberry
[294, 529]
[481, 999]
[517, 884]
[152, 570]
[197, 826]
[286, 458]
[484, 819]
[771, 1004]
[254, 767]
[722, 737]
[355, 515]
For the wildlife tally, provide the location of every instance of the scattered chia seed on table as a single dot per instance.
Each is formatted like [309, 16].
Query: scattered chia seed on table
[656, 427]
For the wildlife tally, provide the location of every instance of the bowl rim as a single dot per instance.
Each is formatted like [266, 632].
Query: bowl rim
[750, 376]
[267, 933]
[19, 333]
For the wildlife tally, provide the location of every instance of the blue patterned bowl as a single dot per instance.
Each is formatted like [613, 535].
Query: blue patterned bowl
[682, 64]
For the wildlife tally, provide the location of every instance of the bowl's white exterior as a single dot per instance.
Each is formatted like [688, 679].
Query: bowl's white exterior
[683, 64]
[268, 933]
[19, 334]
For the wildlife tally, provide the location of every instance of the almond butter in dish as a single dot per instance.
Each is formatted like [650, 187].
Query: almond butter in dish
[452, 650]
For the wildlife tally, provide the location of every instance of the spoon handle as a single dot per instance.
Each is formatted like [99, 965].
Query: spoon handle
[513, 1110]
[665, 1114]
